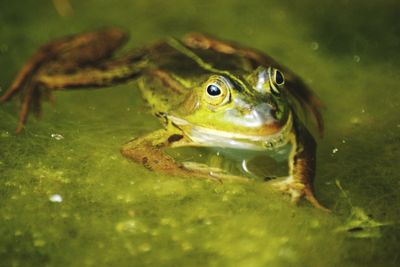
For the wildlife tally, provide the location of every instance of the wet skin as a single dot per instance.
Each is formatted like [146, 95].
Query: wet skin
[206, 92]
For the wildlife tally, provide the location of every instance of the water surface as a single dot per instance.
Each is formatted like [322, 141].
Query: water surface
[68, 198]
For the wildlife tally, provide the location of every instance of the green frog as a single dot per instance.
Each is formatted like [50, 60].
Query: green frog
[205, 91]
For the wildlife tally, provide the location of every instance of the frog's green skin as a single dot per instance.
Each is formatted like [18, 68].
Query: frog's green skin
[252, 106]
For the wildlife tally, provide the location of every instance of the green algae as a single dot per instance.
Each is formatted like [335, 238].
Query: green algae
[115, 213]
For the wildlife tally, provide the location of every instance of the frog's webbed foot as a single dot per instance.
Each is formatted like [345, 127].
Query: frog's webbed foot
[298, 183]
[296, 190]
[72, 62]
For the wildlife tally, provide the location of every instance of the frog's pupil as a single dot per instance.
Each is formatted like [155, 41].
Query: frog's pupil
[279, 77]
[213, 90]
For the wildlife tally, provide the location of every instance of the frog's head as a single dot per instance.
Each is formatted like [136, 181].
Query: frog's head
[226, 110]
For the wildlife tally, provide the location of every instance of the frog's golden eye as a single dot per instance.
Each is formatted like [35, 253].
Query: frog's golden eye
[276, 80]
[217, 90]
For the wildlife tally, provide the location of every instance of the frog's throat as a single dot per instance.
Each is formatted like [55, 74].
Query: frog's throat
[208, 137]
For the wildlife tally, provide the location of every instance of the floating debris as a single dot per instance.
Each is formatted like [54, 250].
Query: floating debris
[356, 58]
[314, 46]
[56, 198]
[4, 134]
[57, 136]
[359, 224]
[335, 150]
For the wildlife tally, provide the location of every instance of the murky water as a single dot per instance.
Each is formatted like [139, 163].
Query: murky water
[68, 198]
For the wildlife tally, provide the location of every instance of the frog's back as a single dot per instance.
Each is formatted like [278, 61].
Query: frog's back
[172, 74]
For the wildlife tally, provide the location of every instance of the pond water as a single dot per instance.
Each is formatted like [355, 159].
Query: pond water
[68, 198]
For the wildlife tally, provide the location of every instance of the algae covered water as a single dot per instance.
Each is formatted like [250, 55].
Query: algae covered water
[68, 198]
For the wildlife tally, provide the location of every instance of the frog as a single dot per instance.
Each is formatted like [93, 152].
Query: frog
[206, 92]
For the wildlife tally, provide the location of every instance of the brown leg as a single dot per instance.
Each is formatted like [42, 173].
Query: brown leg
[42, 84]
[202, 41]
[26, 103]
[302, 165]
[73, 51]
[168, 80]
[65, 63]
[23, 75]
[149, 151]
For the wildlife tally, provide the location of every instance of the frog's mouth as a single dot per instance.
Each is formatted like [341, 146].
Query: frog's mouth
[207, 137]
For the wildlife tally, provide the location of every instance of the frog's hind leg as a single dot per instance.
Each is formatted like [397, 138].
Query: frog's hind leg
[73, 51]
[202, 41]
[149, 151]
[73, 62]
[43, 83]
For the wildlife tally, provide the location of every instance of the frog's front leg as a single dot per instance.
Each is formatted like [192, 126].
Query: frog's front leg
[302, 165]
[149, 151]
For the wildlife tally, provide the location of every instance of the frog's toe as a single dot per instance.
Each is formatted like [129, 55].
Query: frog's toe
[295, 189]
